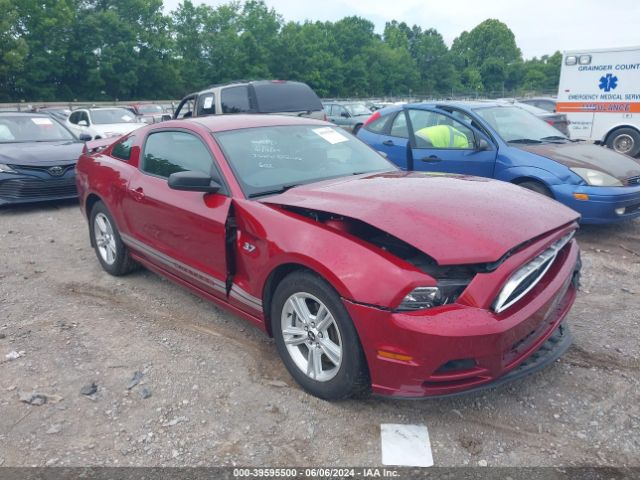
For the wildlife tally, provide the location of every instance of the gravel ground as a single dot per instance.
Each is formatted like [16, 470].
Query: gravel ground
[217, 393]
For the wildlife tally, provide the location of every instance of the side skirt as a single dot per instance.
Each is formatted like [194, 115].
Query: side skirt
[258, 322]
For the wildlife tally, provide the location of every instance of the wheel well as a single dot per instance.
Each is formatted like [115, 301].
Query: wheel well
[521, 180]
[274, 279]
[619, 127]
[92, 199]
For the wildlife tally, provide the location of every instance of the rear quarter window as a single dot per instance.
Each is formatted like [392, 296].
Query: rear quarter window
[275, 97]
[122, 150]
[377, 125]
[235, 100]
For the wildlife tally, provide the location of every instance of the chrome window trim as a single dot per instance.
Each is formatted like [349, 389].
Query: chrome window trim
[539, 265]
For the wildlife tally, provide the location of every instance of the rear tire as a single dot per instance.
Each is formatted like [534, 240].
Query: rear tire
[625, 140]
[316, 338]
[536, 187]
[112, 253]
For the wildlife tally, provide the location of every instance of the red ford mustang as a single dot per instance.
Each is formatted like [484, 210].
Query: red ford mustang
[369, 278]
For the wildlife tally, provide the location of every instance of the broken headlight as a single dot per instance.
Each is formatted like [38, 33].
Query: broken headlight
[4, 168]
[422, 298]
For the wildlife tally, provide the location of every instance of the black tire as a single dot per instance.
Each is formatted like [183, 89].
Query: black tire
[122, 261]
[536, 187]
[352, 377]
[625, 141]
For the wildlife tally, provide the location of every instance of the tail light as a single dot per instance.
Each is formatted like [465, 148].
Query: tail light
[373, 117]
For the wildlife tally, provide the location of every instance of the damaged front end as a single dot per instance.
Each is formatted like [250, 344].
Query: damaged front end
[450, 280]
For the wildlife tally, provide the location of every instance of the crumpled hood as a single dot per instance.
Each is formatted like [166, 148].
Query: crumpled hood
[453, 219]
[586, 155]
[40, 153]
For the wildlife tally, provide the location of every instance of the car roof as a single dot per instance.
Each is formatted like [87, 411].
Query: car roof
[238, 83]
[463, 104]
[344, 102]
[30, 114]
[221, 123]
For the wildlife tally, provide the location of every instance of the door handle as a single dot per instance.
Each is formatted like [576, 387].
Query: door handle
[388, 143]
[431, 159]
[138, 193]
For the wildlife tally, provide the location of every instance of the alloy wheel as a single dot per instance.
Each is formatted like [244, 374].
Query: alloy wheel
[311, 336]
[104, 237]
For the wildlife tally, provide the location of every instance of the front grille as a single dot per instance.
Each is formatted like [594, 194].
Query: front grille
[28, 188]
[528, 276]
[45, 169]
[633, 181]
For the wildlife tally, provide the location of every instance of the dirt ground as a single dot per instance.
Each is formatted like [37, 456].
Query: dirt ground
[217, 393]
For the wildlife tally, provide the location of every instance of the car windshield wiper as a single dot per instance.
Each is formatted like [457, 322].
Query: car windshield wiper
[554, 137]
[524, 140]
[275, 191]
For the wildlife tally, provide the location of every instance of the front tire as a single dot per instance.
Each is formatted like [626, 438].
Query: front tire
[625, 140]
[316, 338]
[112, 253]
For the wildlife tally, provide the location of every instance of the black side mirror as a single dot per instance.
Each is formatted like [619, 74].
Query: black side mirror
[483, 145]
[192, 181]
[84, 137]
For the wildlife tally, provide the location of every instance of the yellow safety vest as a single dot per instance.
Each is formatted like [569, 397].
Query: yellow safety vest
[444, 136]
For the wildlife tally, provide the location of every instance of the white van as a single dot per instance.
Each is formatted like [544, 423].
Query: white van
[599, 92]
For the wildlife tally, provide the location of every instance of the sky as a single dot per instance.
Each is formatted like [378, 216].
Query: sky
[540, 26]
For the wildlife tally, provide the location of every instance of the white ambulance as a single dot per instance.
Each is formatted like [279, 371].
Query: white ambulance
[599, 92]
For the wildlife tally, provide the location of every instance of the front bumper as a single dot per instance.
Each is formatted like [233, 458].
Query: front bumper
[458, 348]
[602, 204]
[16, 188]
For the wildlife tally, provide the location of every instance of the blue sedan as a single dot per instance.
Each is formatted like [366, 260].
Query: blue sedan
[504, 142]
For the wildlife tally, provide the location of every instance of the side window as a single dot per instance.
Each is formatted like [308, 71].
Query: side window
[122, 150]
[186, 109]
[170, 152]
[206, 104]
[436, 130]
[339, 111]
[235, 100]
[399, 126]
[85, 116]
[74, 117]
[327, 109]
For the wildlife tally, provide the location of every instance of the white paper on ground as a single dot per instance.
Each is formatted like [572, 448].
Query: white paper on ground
[405, 445]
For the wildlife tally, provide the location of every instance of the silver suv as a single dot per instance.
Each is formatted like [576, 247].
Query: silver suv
[262, 96]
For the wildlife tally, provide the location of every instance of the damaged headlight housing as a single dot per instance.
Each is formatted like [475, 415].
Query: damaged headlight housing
[422, 298]
[596, 178]
[4, 168]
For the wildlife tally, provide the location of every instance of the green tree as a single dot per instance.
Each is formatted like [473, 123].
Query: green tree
[13, 49]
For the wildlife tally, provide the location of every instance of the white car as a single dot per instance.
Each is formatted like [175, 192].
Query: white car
[102, 122]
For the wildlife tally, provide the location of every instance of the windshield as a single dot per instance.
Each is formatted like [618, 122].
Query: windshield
[358, 109]
[150, 109]
[516, 124]
[112, 115]
[26, 128]
[268, 159]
